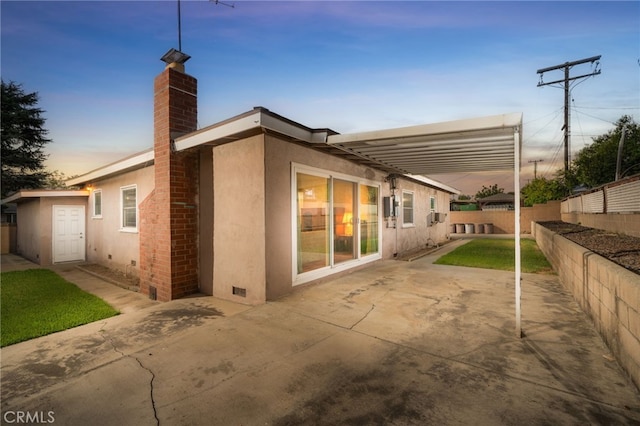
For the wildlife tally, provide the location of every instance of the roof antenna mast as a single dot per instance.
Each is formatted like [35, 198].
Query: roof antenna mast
[179, 29]
[180, 20]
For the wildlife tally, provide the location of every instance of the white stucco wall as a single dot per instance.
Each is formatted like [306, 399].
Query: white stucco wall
[405, 238]
[239, 223]
[29, 235]
[107, 244]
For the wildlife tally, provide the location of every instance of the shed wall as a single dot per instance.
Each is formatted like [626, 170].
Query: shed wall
[29, 235]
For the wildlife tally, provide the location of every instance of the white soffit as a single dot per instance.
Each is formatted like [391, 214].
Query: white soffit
[472, 145]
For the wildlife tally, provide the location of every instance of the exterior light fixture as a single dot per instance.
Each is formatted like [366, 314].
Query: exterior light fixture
[174, 56]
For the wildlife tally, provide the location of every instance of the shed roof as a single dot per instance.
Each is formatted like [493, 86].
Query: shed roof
[30, 194]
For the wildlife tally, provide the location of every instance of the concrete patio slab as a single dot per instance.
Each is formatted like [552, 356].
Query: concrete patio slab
[397, 343]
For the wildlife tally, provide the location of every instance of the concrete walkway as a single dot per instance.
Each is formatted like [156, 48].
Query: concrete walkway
[397, 343]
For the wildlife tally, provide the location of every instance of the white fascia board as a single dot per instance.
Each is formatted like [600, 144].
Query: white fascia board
[258, 119]
[434, 183]
[502, 121]
[113, 168]
[219, 132]
[42, 193]
[294, 131]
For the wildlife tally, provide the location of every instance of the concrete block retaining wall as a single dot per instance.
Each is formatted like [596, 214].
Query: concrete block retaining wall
[607, 292]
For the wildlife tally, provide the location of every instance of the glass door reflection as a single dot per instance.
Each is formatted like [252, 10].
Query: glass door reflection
[344, 216]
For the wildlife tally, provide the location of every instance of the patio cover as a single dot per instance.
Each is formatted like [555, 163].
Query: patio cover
[473, 145]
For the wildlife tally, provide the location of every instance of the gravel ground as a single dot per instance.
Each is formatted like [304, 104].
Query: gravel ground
[619, 248]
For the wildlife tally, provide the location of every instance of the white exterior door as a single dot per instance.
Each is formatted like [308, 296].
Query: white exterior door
[68, 233]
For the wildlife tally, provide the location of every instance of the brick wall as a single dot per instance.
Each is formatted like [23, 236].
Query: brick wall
[605, 291]
[169, 216]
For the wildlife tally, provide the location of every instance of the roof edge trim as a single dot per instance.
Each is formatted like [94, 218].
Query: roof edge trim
[132, 162]
[44, 193]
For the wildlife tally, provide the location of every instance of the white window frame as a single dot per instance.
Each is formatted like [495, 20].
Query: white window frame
[94, 204]
[122, 227]
[304, 277]
[433, 204]
[411, 224]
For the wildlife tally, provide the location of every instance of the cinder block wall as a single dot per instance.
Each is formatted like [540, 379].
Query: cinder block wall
[607, 292]
[628, 223]
[503, 221]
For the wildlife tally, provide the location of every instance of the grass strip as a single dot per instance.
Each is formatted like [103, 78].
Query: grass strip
[498, 254]
[38, 302]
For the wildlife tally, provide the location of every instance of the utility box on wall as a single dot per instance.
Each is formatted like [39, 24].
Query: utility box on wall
[387, 206]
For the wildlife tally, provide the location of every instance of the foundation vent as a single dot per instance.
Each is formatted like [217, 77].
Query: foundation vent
[242, 292]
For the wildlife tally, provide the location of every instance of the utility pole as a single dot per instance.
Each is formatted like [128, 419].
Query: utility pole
[567, 66]
[535, 167]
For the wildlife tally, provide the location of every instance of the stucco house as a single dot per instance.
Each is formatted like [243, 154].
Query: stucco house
[250, 207]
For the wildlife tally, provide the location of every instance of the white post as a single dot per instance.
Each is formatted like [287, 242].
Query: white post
[516, 179]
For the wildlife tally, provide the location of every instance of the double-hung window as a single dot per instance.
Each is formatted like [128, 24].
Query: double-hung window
[129, 208]
[407, 208]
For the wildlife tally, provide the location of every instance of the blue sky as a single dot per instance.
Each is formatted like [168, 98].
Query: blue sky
[350, 66]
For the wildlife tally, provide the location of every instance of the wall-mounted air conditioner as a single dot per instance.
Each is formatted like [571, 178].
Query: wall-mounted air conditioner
[438, 217]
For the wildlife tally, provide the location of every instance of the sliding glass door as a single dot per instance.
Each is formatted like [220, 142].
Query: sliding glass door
[336, 221]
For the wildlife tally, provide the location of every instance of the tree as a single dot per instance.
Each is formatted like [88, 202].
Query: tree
[23, 140]
[541, 190]
[58, 180]
[595, 164]
[486, 192]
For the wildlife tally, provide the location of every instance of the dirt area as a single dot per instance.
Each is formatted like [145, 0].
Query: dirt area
[118, 278]
[619, 248]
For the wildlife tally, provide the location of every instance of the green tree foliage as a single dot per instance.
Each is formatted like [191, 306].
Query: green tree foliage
[57, 180]
[23, 140]
[541, 190]
[488, 191]
[595, 164]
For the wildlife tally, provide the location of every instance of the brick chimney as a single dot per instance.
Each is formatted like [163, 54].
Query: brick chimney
[169, 216]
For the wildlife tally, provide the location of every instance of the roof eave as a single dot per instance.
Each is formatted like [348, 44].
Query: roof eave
[136, 161]
[43, 193]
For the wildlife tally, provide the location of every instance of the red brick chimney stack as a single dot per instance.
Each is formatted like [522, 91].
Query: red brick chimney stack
[169, 216]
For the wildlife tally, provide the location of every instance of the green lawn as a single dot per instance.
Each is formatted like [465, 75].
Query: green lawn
[498, 254]
[37, 302]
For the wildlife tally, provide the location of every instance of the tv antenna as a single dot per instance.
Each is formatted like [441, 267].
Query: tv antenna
[231, 5]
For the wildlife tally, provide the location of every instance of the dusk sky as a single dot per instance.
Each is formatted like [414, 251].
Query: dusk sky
[349, 66]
